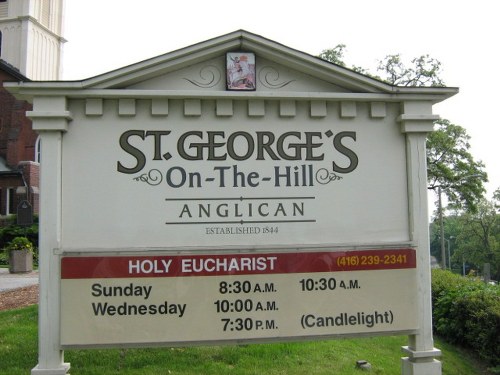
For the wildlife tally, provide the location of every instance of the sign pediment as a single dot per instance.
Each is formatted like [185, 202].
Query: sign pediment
[281, 72]
[202, 66]
[210, 75]
[199, 71]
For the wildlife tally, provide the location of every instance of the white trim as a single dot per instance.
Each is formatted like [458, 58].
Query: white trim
[27, 91]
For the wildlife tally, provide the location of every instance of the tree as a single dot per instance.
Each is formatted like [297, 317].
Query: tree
[424, 72]
[478, 241]
[451, 166]
[334, 55]
[473, 239]
[452, 228]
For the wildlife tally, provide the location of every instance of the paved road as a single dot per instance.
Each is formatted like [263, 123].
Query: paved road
[9, 281]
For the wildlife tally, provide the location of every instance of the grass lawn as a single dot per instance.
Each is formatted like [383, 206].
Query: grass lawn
[18, 354]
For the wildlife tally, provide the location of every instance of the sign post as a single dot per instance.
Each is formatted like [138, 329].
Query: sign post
[283, 198]
[421, 352]
[50, 118]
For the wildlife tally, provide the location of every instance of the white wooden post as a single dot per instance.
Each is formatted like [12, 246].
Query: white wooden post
[416, 122]
[50, 119]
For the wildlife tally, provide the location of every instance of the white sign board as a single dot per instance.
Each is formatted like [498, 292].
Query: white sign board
[174, 211]
[174, 181]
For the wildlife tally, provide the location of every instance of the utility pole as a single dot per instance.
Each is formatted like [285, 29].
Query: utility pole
[441, 225]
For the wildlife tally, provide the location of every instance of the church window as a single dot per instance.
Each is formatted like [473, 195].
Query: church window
[11, 195]
[38, 149]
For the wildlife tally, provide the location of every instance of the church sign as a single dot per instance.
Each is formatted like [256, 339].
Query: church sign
[221, 297]
[214, 195]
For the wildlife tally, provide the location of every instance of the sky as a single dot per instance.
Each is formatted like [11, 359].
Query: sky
[103, 35]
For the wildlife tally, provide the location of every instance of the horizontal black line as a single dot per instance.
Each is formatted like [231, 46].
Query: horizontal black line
[235, 199]
[240, 222]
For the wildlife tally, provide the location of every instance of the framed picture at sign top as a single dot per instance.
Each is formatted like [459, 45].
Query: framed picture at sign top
[240, 71]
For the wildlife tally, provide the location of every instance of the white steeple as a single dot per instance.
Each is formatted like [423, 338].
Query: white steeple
[31, 37]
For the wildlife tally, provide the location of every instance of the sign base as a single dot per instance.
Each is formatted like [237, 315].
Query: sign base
[63, 370]
[417, 367]
[420, 362]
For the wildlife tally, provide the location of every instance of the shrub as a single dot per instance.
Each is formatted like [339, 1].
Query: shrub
[19, 243]
[4, 259]
[466, 311]
[11, 230]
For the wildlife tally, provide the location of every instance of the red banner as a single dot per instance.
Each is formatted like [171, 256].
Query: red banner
[235, 264]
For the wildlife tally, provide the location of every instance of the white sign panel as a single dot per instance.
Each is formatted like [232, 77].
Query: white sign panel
[175, 181]
[134, 300]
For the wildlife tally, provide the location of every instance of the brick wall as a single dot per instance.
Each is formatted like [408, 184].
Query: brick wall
[17, 148]
[17, 138]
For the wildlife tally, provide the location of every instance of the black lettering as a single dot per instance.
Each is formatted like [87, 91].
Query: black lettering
[310, 146]
[212, 145]
[351, 155]
[99, 308]
[250, 146]
[198, 146]
[181, 177]
[96, 290]
[265, 145]
[281, 149]
[157, 136]
[135, 152]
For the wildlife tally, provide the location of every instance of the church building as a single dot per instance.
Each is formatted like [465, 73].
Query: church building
[30, 49]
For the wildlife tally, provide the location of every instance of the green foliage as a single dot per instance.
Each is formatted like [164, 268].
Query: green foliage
[19, 243]
[478, 240]
[451, 166]
[18, 333]
[18, 354]
[467, 312]
[424, 71]
[450, 163]
[4, 259]
[334, 55]
[473, 238]
[10, 230]
[452, 228]
[496, 198]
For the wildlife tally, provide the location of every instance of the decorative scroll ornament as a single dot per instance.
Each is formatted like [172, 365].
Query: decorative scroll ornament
[270, 78]
[324, 176]
[209, 77]
[154, 177]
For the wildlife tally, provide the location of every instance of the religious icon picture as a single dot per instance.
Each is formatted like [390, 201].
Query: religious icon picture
[240, 71]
